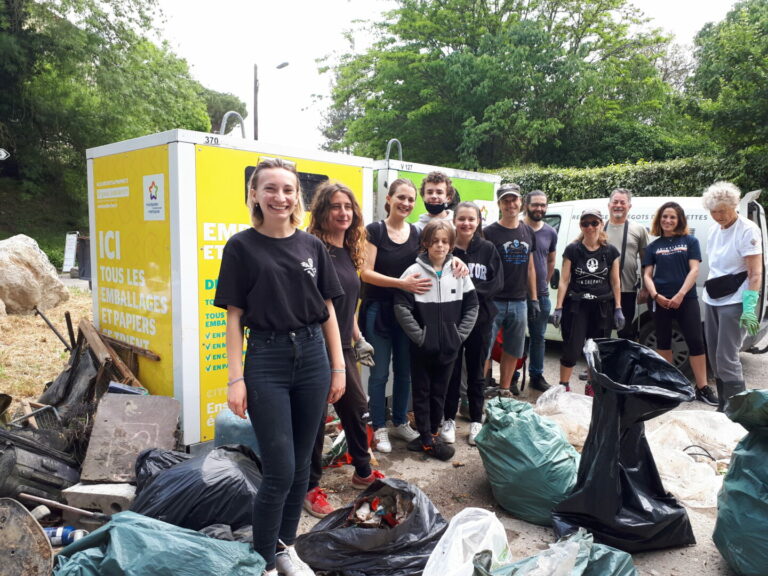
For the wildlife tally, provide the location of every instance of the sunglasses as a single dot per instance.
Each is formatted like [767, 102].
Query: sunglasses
[591, 223]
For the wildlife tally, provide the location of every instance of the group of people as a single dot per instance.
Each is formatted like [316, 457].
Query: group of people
[433, 297]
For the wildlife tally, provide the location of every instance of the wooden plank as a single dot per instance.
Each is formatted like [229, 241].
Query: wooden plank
[135, 349]
[27, 409]
[125, 372]
[95, 343]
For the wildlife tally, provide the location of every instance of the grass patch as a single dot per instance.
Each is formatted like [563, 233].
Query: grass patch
[45, 217]
[30, 353]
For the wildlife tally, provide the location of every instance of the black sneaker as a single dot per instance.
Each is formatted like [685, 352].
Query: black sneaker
[415, 445]
[707, 395]
[440, 450]
[584, 375]
[537, 382]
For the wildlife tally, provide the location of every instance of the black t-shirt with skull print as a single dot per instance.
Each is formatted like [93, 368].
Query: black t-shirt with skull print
[590, 269]
[281, 283]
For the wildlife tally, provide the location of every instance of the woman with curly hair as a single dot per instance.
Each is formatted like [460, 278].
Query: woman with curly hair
[338, 221]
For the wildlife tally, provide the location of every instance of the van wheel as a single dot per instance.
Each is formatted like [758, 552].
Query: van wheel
[680, 352]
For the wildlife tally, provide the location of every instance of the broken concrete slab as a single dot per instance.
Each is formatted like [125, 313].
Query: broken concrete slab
[105, 498]
[125, 425]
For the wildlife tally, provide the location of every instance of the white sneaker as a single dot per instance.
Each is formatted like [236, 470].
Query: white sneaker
[448, 431]
[381, 441]
[288, 563]
[474, 430]
[404, 432]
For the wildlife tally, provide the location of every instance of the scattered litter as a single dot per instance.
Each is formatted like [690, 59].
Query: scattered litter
[528, 462]
[399, 543]
[619, 496]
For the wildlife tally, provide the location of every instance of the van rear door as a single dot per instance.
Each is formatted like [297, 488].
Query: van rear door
[750, 208]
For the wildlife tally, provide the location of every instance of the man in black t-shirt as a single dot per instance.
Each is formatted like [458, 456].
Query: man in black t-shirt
[515, 242]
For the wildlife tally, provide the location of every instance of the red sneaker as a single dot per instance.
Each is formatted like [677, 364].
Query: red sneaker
[363, 483]
[316, 503]
[588, 390]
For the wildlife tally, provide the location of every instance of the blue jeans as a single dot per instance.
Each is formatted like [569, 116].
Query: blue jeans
[397, 347]
[512, 318]
[536, 330]
[287, 377]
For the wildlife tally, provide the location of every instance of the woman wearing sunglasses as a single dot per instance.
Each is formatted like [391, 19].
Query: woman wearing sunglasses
[589, 293]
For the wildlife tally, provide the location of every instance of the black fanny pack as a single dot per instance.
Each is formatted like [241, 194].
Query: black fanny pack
[723, 286]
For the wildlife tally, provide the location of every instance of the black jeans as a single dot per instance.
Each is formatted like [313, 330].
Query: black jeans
[351, 408]
[581, 320]
[430, 375]
[474, 351]
[287, 376]
[628, 304]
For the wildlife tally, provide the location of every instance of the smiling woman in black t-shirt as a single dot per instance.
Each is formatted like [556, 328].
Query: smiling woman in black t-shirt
[589, 293]
[279, 282]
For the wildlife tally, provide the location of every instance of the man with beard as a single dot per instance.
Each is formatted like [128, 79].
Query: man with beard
[437, 192]
[630, 239]
[544, 263]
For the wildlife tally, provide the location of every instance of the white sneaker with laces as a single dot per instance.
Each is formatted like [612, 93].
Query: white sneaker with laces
[404, 432]
[448, 431]
[288, 563]
[474, 430]
[381, 441]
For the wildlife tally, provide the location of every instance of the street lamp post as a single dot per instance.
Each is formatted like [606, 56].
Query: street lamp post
[256, 97]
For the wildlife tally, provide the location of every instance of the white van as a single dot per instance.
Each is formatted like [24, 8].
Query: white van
[564, 217]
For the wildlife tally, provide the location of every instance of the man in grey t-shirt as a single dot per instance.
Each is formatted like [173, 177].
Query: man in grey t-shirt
[632, 251]
[535, 205]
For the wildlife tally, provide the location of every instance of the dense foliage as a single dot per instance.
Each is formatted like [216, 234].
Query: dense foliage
[489, 83]
[83, 73]
[681, 177]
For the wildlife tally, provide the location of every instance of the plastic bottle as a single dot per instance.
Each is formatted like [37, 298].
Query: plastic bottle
[60, 536]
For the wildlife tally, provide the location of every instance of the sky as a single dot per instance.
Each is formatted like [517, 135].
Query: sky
[222, 48]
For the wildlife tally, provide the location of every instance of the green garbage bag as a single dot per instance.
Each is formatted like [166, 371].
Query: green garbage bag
[135, 545]
[577, 555]
[742, 504]
[527, 459]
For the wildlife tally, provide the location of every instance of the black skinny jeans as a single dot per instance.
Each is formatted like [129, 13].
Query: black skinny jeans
[287, 377]
[474, 351]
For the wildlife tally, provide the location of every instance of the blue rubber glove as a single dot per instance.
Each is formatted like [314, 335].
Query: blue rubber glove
[557, 317]
[748, 318]
[618, 319]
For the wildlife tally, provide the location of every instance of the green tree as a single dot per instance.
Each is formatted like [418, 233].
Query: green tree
[78, 74]
[218, 104]
[490, 82]
[730, 89]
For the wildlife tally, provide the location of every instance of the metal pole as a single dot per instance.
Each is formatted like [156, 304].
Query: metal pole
[255, 102]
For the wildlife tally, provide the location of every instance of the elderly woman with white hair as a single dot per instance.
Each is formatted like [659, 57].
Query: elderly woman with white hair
[731, 292]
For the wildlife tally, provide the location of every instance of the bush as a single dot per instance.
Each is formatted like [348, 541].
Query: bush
[681, 177]
[55, 255]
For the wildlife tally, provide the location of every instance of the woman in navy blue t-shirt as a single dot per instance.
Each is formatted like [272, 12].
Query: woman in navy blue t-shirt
[670, 269]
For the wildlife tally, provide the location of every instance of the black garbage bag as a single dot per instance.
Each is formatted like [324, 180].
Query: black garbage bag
[619, 496]
[742, 504]
[216, 488]
[153, 461]
[398, 545]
